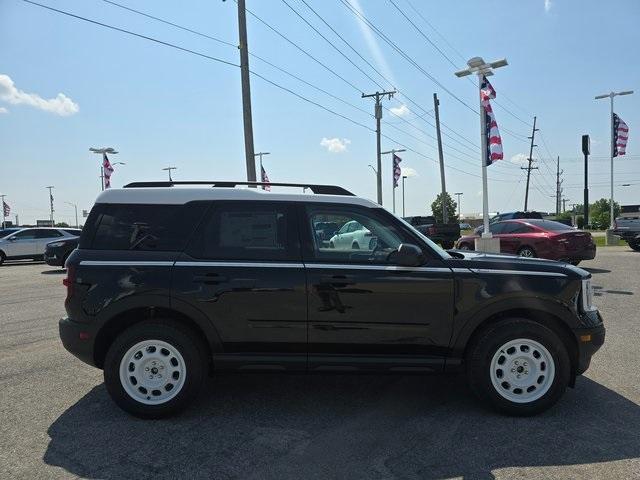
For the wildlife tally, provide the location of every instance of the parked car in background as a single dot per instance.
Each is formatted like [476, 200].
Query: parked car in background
[628, 227]
[326, 230]
[353, 236]
[57, 252]
[465, 226]
[30, 243]
[538, 238]
[445, 234]
[511, 216]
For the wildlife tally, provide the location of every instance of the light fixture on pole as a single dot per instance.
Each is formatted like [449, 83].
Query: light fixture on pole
[483, 69]
[404, 177]
[75, 206]
[168, 169]
[102, 151]
[393, 166]
[610, 237]
[459, 194]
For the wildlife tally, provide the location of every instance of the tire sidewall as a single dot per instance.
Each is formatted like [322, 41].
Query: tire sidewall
[181, 339]
[499, 334]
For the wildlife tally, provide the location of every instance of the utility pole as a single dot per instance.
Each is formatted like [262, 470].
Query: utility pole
[529, 167]
[50, 187]
[393, 180]
[586, 150]
[610, 95]
[459, 194]
[564, 204]
[378, 114]
[558, 187]
[246, 92]
[404, 177]
[445, 214]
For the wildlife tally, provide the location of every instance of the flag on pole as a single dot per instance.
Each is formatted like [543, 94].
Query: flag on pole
[108, 170]
[397, 171]
[6, 209]
[265, 178]
[494, 141]
[620, 136]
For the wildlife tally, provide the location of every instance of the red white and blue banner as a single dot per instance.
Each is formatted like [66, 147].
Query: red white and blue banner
[107, 170]
[265, 178]
[6, 209]
[620, 136]
[494, 141]
[397, 171]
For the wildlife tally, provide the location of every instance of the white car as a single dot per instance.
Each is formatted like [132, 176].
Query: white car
[31, 242]
[353, 236]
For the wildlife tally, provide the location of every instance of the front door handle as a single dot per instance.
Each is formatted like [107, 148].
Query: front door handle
[337, 280]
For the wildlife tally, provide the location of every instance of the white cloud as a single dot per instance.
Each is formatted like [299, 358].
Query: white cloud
[335, 145]
[400, 111]
[409, 172]
[60, 105]
[520, 159]
[3, 110]
[547, 5]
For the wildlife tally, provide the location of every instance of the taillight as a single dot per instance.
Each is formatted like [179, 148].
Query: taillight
[70, 279]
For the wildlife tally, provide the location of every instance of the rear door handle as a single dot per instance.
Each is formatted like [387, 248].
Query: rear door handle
[337, 280]
[210, 279]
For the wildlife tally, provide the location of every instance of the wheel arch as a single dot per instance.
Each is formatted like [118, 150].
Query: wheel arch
[125, 319]
[549, 319]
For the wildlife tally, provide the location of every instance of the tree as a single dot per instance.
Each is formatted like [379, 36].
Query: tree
[62, 225]
[599, 213]
[436, 208]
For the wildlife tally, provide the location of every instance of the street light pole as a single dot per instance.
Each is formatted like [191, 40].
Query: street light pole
[168, 169]
[393, 182]
[478, 66]
[75, 206]
[404, 177]
[50, 187]
[610, 95]
[102, 151]
[459, 194]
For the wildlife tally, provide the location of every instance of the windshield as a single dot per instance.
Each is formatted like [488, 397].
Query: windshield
[437, 248]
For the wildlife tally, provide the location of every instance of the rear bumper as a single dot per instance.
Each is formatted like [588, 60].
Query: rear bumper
[78, 339]
[589, 341]
[588, 253]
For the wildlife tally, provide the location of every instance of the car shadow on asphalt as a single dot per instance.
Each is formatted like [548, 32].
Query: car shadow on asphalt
[596, 270]
[56, 271]
[296, 426]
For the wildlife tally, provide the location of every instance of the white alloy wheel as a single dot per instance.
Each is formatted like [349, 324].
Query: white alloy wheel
[152, 372]
[522, 370]
[526, 252]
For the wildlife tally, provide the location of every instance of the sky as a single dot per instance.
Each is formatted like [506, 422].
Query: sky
[67, 85]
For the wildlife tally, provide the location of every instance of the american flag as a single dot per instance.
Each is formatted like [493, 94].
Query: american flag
[620, 136]
[265, 179]
[397, 171]
[494, 141]
[6, 208]
[108, 170]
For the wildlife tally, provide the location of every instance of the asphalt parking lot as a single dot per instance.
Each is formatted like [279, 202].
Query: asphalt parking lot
[58, 422]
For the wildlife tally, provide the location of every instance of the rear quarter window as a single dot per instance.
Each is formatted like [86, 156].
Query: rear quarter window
[141, 227]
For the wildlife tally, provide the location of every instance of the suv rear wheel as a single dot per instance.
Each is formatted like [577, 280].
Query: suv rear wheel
[155, 368]
[518, 367]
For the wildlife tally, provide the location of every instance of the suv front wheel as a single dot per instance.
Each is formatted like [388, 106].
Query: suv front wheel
[518, 366]
[155, 368]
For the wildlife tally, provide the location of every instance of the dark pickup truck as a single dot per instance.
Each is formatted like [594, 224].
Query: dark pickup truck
[629, 229]
[445, 234]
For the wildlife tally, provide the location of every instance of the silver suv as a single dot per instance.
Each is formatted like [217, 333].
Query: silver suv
[31, 242]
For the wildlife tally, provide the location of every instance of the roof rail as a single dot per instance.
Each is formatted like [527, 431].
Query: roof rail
[317, 189]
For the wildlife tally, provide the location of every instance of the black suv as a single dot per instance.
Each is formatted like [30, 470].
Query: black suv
[169, 284]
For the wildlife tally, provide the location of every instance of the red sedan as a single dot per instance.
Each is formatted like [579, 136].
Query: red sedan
[538, 238]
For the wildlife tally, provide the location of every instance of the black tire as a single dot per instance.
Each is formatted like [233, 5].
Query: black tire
[180, 337]
[527, 252]
[3, 257]
[464, 246]
[634, 244]
[488, 342]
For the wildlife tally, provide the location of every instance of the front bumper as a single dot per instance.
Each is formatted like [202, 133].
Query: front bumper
[53, 259]
[589, 340]
[78, 339]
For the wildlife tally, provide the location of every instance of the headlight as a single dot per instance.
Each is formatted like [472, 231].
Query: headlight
[55, 244]
[587, 296]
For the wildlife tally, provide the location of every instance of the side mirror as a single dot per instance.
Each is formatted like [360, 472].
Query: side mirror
[408, 255]
[12, 239]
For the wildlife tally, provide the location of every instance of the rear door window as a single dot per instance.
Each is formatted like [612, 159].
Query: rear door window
[263, 231]
[141, 227]
[48, 234]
